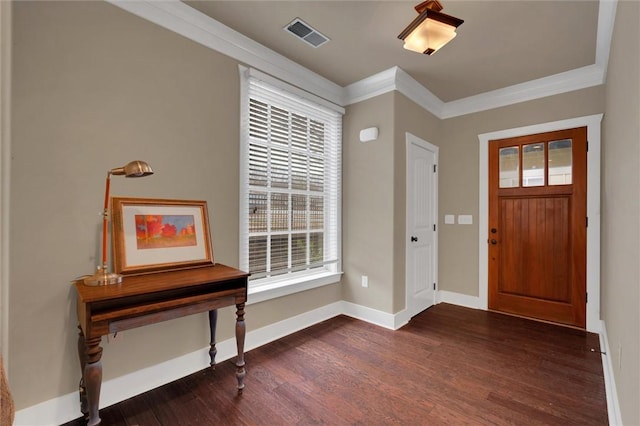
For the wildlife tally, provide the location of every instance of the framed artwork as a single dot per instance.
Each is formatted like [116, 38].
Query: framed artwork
[153, 235]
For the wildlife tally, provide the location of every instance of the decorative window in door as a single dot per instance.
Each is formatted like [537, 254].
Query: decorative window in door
[536, 164]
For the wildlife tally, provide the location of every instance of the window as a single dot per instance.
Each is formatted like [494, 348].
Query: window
[543, 164]
[290, 184]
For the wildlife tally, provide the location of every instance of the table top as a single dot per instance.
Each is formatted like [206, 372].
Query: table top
[158, 281]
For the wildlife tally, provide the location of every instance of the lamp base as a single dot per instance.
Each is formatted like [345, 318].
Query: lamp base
[103, 277]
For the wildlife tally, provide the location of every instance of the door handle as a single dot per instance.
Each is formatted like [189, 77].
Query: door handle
[494, 242]
[414, 239]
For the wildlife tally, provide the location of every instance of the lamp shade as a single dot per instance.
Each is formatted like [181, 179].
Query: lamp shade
[135, 168]
[429, 31]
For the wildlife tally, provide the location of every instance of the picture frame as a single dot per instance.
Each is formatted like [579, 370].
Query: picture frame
[154, 235]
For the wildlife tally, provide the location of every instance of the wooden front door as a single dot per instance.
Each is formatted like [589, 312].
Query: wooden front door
[537, 226]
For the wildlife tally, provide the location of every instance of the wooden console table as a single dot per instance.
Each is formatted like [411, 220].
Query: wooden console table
[148, 299]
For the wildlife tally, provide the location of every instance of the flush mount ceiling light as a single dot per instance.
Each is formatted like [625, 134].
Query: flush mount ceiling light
[430, 30]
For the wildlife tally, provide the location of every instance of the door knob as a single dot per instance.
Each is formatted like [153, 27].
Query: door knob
[494, 230]
[414, 239]
[494, 242]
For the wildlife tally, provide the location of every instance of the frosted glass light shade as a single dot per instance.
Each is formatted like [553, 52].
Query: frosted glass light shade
[429, 36]
[430, 30]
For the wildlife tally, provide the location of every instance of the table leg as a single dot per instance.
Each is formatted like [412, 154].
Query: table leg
[83, 361]
[92, 378]
[213, 320]
[240, 332]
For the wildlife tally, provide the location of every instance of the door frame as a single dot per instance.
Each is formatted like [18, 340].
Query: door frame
[412, 139]
[5, 161]
[593, 124]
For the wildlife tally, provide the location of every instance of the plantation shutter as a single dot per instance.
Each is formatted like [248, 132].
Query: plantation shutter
[291, 184]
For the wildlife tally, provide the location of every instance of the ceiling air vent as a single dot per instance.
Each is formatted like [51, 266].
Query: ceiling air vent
[306, 33]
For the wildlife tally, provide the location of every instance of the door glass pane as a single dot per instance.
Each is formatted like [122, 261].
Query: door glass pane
[560, 162]
[533, 164]
[509, 167]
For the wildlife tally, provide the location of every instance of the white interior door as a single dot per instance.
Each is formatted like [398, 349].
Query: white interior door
[422, 241]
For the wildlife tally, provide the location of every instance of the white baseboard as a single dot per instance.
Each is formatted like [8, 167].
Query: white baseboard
[458, 299]
[401, 319]
[67, 407]
[383, 319]
[613, 405]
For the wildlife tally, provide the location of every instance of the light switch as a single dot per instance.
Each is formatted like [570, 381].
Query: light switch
[449, 219]
[465, 219]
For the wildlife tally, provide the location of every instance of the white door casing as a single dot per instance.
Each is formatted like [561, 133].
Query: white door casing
[421, 234]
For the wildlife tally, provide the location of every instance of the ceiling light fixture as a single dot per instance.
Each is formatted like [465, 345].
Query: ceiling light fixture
[430, 30]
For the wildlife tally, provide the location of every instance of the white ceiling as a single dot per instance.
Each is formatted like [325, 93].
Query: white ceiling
[500, 44]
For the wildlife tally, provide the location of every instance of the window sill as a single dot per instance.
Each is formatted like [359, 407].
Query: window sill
[291, 286]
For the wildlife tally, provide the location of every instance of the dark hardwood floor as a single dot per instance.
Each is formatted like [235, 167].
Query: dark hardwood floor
[449, 365]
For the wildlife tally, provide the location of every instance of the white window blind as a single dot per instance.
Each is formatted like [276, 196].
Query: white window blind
[290, 185]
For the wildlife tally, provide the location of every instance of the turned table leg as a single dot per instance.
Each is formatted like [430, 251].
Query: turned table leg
[240, 332]
[91, 377]
[213, 320]
[83, 361]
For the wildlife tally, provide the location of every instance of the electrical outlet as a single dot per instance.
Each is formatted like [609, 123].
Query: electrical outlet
[365, 281]
[465, 219]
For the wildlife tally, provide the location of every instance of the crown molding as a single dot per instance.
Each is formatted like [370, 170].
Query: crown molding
[397, 79]
[182, 19]
[419, 94]
[194, 25]
[394, 78]
[606, 20]
[581, 78]
[371, 86]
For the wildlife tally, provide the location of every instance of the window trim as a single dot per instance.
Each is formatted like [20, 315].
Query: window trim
[291, 286]
[278, 286]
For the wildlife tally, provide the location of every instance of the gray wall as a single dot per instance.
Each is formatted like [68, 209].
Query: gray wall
[459, 162]
[375, 185]
[367, 202]
[374, 200]
[93, 88]
[621, 210]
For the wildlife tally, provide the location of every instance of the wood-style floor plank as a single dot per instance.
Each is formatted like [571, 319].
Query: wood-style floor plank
[449, 365]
